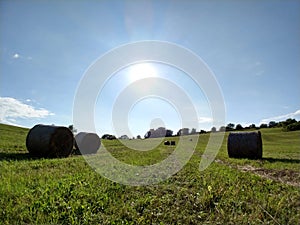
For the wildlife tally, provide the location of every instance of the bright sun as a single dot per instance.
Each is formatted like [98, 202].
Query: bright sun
[140, 71]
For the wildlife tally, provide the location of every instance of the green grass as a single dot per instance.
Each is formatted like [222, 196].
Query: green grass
[68, 191]
[12, 139]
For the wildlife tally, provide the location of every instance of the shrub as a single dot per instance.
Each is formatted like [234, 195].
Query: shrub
[293, 126]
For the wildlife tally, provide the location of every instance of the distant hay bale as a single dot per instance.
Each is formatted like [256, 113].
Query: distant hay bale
[49, 141]
[167, 143]
[172, 142]
[87, 143]
[245, 145]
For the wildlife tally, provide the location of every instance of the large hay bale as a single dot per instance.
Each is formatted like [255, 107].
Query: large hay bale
[245, 145]
[49, 141]
[87, 143]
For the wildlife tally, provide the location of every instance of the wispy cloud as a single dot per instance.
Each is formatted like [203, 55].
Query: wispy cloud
[12, 109]
[295, 115]
[205, 119]
[19, 56]
[256, 68]
[16, 56]
[260, 72]
[257, 63]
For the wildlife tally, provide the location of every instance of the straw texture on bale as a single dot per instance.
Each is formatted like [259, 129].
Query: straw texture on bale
[87, 143]
[49, 141]
[245, 145]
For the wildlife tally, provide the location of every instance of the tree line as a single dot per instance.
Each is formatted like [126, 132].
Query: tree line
[287, 125]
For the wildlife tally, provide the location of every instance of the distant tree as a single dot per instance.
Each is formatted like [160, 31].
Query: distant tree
[193, 131]
[222, 129]
[280, 124]
[230, 127]
[213, 129]
[169, 133]
[105, 136]
[108, 137]
[272, 124]
[263, 125]
[159, 132]
[71, 127]
[148, 134]
[183, 131]
[138, 137]
[289, 121]
[252, 126]
[124, 137]
[112, 137]
[293, 126]
[203, 132]
[239, 127]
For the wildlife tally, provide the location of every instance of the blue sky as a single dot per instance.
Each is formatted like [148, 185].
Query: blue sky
[252, 47]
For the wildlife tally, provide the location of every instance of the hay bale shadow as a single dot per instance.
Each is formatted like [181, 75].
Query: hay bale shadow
[15, 156]
[283, 160]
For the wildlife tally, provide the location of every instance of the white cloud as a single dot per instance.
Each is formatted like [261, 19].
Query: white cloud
[295, 115]
[16, 56]
[205, 119]
[12, 109]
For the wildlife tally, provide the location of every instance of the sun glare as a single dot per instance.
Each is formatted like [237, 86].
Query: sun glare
[141, 71]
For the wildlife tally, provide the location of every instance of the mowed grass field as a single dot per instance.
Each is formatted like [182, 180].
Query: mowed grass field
[229, 191]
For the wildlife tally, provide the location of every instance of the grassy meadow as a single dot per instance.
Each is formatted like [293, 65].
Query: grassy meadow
[229, 191]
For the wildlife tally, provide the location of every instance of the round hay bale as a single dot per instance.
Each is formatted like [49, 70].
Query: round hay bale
[245, 145]
[167, 143]
[49, 141]
[87, 143]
